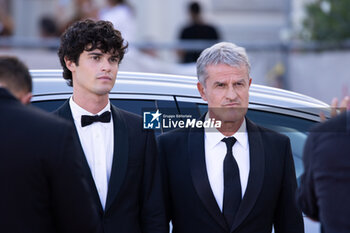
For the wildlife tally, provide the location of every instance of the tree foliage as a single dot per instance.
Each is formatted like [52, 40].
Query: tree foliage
[328, 20]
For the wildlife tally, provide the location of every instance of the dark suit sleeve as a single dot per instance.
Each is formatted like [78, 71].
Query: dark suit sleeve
[153, 213]
[71, 200]
[288, 218]
[164, 175]
[306, 198]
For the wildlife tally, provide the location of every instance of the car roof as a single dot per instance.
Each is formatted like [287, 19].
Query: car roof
[50, 82]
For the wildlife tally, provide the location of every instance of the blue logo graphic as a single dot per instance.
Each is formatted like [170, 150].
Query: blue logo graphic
[151, 120]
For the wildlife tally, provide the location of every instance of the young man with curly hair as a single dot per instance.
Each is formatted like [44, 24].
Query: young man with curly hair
[119, 156]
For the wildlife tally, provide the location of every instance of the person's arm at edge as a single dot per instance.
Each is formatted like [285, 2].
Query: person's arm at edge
[164, 175]
[153, 215]
[71, 199]
[288, 217]
[305, 195]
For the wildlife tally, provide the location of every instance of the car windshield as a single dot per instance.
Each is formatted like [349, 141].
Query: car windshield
[295, 128]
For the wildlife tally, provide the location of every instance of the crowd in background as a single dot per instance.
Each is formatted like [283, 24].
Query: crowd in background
[123, 16]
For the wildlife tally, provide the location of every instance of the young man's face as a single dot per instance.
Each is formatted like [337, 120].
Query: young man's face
[226, 91]
[96, 72]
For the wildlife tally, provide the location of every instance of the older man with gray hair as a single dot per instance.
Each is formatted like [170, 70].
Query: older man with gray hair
[238, 177]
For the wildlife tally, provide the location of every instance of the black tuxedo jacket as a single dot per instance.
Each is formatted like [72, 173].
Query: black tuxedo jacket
[324, 188]
[269, 197]
[134, 201]
[43, 189]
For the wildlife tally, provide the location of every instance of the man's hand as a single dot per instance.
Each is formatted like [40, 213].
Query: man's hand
[335, 110]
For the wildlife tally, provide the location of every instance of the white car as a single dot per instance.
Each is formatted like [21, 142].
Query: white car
[284, 111]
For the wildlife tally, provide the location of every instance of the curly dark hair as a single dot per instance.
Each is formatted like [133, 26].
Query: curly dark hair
[88, 35]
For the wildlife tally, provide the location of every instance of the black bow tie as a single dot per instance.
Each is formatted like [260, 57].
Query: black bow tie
[88, 120]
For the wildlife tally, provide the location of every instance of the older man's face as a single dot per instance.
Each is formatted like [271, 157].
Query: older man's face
[227, 92]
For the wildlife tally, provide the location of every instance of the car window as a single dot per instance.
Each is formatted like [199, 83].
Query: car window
[48, 105]
[134, 106]
[294, 127]
[189, 108]
[131, 105]
[167, 107]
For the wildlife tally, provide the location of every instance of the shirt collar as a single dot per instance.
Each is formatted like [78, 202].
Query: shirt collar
[214, 136]
[78, 111]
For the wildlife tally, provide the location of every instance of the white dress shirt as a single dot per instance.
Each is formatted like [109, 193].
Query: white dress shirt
[215, 152]
[97, 141]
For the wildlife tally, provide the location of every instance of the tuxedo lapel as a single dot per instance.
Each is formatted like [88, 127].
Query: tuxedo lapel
[120, 156]
[65, 112]
[256, 174]
[200, 177]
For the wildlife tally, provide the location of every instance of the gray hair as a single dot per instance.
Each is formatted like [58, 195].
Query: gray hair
[221, 53]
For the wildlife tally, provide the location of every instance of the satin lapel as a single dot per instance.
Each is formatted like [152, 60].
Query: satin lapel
[65, 112]
[200, 176]
[120, 156]
[256, 174]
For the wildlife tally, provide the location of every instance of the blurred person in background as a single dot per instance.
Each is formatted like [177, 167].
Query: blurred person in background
[325, 155]
[323, 194]
[197, 29]
[43, 187]
[122, 16]
[49, 32]
[70, 12]
[337, 108]
[48, 27]
[15, 78]
[6, 21]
